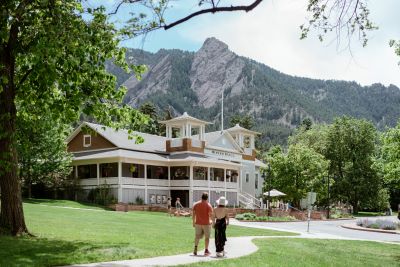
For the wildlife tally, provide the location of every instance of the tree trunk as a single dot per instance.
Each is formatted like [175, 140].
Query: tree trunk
[11, 214]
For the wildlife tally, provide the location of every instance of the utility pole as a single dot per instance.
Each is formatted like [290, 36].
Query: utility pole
[329, 202]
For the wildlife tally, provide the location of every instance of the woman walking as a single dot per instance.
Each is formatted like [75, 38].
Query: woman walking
[221, 220]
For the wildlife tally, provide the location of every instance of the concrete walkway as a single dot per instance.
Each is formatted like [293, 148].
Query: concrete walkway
[235, 247]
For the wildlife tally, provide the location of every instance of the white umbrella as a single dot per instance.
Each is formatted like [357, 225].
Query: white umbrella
[274, 193]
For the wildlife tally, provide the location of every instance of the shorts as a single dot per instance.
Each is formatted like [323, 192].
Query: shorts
[202, 230]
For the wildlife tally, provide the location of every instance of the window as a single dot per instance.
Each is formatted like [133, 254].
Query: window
[247, 177]
[157, 172]
[200, 173]
[87, 140]
[109, 170]
[256, 182]
[217, 174]
[180, 173]
[87, 171]
[231, 176]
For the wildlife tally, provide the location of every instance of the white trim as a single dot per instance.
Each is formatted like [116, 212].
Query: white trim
[186, 152]
[95, 150]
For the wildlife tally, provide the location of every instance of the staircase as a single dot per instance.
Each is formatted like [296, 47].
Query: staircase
[247, 201]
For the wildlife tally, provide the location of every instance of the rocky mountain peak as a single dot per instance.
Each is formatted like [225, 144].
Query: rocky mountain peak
[214, 68]
[213, 45]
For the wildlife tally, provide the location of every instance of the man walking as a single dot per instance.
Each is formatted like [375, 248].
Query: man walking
[202, 220]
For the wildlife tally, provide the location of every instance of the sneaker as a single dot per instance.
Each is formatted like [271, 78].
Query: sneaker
[219, 254]
[207, 252]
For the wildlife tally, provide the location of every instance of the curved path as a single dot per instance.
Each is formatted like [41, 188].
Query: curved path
[236, 246]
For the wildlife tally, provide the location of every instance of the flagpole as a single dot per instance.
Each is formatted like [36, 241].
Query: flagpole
[222, 110]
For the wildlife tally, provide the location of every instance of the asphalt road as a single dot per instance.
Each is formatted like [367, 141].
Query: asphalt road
[328, 228]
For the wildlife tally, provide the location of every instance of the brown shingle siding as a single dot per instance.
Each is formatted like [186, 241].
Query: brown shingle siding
[97, 142]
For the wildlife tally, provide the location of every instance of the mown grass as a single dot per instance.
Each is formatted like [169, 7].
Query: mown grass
[68, 236]
[315, 252]
[369, 214]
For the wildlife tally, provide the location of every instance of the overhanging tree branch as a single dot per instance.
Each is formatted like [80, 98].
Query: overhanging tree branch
[213, 10]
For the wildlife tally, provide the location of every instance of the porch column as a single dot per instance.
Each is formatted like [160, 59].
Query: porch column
[98, 173]
[76, 182]
[169, 176]
[145, 185]
[119, 181]
[191, 185]
[225, 181]
[182, 131]
[239, 182]
[209, 182]
[187, 130]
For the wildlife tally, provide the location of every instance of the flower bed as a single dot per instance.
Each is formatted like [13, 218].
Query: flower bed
[378, 224]
[254, 217]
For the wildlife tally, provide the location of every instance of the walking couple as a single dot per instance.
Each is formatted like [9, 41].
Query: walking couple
[203, 217]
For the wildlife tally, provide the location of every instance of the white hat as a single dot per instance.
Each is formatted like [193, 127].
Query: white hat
[222, 201]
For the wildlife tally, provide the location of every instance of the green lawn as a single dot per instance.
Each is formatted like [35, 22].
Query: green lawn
[68, 236]
[369, 214]
[315, 252]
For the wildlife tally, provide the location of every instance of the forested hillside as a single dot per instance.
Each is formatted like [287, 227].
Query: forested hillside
[193, 82]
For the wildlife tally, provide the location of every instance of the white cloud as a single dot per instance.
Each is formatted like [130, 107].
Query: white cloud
[270, 34]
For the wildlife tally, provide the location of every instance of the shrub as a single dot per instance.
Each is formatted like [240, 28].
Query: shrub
[378, 224]
[101, 195]
[139, 200]
[386, 224]
[239, 217]
[246, 216]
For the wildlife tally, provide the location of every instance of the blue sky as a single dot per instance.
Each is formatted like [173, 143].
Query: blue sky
[270, 35]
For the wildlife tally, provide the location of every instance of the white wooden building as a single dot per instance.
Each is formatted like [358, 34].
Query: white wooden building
[184, 163]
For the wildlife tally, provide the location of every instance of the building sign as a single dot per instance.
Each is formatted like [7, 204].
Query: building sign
[222, 154]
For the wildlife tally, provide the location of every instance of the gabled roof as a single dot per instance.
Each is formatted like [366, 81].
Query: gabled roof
[238, 128]
[120, 138]
[213, 137]
[259, 163]
[185, 117]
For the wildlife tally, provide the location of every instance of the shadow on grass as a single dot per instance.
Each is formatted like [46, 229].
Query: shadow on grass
[27, 251]
[58, 202]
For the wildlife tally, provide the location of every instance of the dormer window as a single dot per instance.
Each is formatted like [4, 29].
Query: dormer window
[87, 140]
